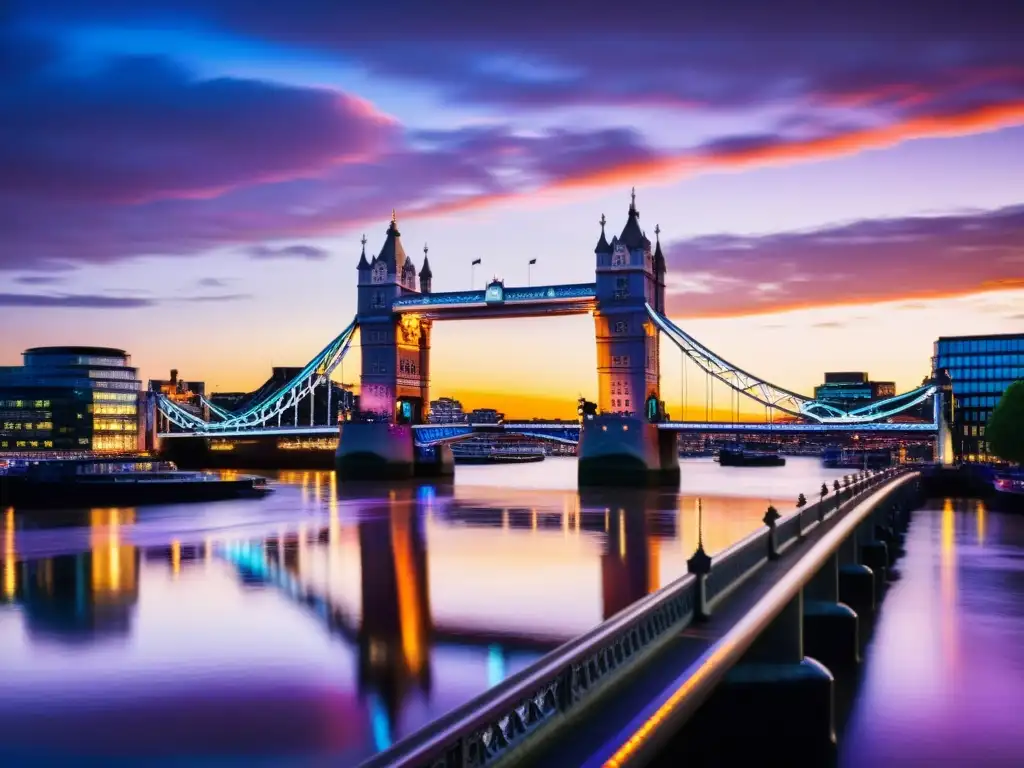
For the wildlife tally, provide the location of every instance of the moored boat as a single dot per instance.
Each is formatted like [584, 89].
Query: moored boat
[750, 454]
[496, 452]
[75, 483]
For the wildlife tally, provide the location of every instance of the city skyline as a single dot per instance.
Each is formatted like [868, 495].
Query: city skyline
[195, 191]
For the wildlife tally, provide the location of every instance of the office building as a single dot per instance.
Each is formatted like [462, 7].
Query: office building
[485, 416]
[446, 410]
[849, 389]
[980, 369]
[70, 399]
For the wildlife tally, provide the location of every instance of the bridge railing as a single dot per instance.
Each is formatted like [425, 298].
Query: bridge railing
[562, 683]
[666, 715]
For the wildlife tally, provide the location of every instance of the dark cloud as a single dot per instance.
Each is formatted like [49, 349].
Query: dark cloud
[217, 298]
[75, 301]
[38, 279]
[307, 252]
[862, 262]
[532, 54]
[830, 324]
[136, 156]
[435, 172]
[141, 129]
[211, 282]
[103, 301]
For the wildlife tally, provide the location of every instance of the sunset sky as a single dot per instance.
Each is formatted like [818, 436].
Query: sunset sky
[189, 180]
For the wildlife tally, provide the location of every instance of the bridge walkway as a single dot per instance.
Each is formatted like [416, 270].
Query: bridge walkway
[596, 732]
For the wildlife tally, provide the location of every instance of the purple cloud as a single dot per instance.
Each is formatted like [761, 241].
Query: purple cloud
[863, 262]
[38, 280]
[76, 301]
[306, 252]
[142, 129]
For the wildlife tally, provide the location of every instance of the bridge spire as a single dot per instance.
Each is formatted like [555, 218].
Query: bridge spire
[603, 245]
[363, 263]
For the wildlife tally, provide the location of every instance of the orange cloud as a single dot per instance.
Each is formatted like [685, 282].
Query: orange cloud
[982, 119]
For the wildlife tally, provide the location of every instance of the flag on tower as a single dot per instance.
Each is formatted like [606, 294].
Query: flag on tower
[533, 261]
[475, 262]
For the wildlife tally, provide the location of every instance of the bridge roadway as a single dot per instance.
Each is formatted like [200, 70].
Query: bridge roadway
[430, 434]
[597, 703]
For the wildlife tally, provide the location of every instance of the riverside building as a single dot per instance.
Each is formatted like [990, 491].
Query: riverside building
[70, 399]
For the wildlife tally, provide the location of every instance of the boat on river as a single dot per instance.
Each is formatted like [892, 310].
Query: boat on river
[750, 454]
[496, 452]
[835, 457]
[117, 482]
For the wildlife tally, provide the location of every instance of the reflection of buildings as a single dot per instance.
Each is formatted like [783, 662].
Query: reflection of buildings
[635, 523]
[630, 563]
[78, 597]
[394, 647]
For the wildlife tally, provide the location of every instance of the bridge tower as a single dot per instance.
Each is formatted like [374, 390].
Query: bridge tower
[394, 389]
[622, 445]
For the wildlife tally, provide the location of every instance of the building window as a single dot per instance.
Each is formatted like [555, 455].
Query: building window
[621, 287]
[407, 366]
[380, 273]
[378, 300]
[620, 360]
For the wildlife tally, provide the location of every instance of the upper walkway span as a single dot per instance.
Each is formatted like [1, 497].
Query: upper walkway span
[498, 301]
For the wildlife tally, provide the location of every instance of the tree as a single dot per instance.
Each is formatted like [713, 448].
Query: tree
[824, 491]
[1005, 431]
[801, 500]
[835, 486]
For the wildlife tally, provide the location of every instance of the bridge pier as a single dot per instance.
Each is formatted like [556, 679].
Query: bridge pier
[831, 631]
[375, 451]
[626, 451]
[779, 700]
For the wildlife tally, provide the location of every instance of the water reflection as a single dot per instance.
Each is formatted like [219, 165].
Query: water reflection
[942, 677]
[77, 598]
[324, 620]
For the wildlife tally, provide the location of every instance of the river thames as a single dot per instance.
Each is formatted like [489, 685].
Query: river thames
[328, 622]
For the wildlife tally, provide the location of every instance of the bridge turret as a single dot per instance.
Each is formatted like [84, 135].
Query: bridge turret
[426, 276]
[627, 343]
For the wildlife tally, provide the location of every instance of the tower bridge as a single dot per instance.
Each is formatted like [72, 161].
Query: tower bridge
[627, 440]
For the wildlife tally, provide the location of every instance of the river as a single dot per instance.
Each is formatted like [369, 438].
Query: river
[327, 621]
[943, 678]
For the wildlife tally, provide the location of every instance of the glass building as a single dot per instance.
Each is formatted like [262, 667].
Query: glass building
[70, 399]
[981, 368]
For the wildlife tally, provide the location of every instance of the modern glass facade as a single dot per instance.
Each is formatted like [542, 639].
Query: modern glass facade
[981, 368]
[70, 399]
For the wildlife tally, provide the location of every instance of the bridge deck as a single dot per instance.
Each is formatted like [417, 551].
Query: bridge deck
[614, 717]
[501, 302]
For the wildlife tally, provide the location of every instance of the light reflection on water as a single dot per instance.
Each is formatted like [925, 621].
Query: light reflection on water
[325, 620]
[943, 674]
